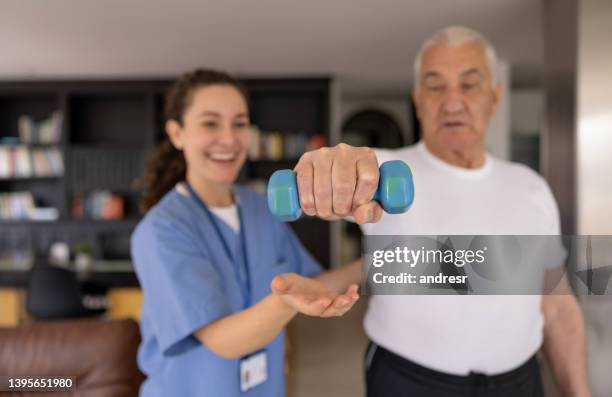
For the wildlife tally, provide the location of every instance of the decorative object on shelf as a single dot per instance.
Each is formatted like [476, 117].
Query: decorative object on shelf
[316, 141]
[98, 204]
[47, 214]
[83, 257]
[47, 131]
[59, 254]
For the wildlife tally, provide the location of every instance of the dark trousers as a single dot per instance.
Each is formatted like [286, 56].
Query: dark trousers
[389, 375]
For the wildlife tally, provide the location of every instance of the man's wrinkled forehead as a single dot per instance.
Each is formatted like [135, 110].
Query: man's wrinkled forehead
[464, 60]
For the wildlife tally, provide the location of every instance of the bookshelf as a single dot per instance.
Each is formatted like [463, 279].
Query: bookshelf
[108, 130]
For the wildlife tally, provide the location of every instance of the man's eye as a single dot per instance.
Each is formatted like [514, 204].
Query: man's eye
[468, 86]
[436, 88]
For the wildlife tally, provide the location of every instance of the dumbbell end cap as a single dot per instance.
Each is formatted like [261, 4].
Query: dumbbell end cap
[283, 198]
[399, 187]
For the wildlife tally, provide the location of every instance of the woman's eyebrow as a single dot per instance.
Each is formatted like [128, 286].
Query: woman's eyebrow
[209, 113]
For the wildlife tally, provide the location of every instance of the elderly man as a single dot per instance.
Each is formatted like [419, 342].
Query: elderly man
[452, 345]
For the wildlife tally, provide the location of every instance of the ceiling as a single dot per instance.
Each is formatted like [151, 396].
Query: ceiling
[359, 40]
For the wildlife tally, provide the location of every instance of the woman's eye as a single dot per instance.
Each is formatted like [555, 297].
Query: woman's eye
[241, 125]
[210, 124]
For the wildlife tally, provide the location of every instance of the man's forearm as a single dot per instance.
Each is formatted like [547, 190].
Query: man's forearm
[564, 343]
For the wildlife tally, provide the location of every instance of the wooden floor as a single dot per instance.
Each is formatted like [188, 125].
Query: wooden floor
[326, 355]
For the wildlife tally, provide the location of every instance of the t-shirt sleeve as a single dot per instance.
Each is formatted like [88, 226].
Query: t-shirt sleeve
[182, 288]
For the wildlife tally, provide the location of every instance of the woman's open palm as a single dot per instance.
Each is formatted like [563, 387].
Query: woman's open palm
[309, 296]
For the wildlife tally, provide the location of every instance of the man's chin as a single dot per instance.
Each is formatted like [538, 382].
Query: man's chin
[458, 139]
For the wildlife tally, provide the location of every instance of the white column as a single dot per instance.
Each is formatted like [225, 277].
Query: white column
[594, 172]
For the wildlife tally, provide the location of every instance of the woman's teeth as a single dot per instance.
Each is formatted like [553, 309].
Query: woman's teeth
[222, 156]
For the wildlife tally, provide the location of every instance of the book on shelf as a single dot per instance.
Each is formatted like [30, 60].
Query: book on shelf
[259, 185]
[16, 205]
[276, 145]
[254, 150]
[47, 131]
[21, 206]
[23, 165]
[21, 161]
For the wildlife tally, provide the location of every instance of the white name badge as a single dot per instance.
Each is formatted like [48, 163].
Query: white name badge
[253, 371]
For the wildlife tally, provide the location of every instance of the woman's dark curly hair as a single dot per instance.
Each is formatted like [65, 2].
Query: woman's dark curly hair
[166, 166]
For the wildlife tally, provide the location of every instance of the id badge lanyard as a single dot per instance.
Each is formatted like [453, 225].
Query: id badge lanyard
[245, 284]
[253, 367]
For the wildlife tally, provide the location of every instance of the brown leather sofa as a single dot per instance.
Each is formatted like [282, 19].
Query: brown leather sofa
[100, 353]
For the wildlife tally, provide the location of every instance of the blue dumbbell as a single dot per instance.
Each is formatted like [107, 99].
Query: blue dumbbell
[395, 191]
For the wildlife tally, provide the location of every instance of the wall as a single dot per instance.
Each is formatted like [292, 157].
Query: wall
[526, 117]
[498, 134]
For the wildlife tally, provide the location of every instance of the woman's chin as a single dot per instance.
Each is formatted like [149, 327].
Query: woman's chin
[223, 179]
[224, 170]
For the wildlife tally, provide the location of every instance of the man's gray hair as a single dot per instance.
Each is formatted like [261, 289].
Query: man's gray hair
[454, 36]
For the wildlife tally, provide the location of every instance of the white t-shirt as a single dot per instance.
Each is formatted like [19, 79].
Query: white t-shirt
[228, 214]
[458, 334]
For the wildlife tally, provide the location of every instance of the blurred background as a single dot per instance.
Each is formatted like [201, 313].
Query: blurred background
[81, 98]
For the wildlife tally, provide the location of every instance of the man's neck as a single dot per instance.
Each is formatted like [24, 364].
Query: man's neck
[468, 158]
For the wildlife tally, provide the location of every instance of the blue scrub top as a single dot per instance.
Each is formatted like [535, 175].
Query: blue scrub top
[188, 282]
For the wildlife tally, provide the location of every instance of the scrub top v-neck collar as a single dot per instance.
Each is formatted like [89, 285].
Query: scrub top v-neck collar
[236, 253]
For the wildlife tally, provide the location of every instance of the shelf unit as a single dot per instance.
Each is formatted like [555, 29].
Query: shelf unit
[109, 130]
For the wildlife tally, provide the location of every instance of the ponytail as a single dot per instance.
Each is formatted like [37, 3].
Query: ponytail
[165, 168]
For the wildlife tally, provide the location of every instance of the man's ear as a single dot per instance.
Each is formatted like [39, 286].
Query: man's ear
[175, 133]
[497, 94]
[415, 99]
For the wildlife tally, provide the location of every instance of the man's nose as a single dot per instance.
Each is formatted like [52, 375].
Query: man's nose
[453, 102]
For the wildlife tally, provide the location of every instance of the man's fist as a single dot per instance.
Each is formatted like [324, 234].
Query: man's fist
[339, 181]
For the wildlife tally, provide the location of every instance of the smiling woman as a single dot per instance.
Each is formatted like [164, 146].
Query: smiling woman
[216, 295]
